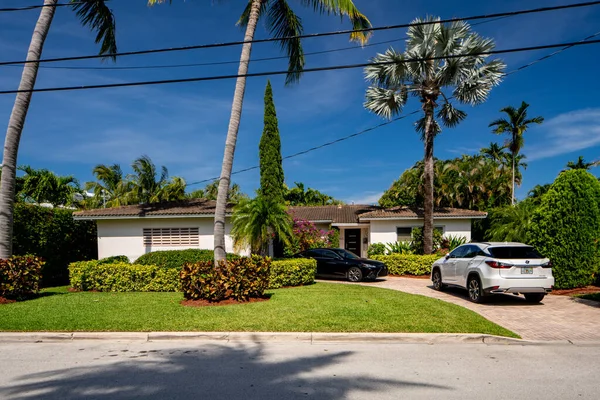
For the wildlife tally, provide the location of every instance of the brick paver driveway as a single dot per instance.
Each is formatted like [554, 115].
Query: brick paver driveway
[556, 318]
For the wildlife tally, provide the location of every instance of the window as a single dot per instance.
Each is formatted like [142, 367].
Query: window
[459, 252]
[404, 234]
[472, 251]
[326, 254]
[514, 252]
[167, 237]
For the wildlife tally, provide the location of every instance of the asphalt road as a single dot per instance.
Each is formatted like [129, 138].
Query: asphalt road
[295, 370]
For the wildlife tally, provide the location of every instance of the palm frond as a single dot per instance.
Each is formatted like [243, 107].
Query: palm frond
[450, 115]
[284, 23]
[100, 19]
[344, 8]
[385, 102]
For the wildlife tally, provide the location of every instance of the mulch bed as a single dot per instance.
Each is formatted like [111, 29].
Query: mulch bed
[4, 300]
[573, 292]
[228, 302]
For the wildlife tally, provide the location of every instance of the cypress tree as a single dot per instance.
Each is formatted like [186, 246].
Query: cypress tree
[271, 168]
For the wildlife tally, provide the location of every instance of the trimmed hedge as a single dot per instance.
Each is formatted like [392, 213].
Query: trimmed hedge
[122, 277]
[294, 272]
[20, 276]
[239, 279]
[176, 258]
[56, 237]
[114, 260]
[408, 264]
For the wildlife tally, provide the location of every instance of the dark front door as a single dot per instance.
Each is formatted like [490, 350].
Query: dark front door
[352, 240]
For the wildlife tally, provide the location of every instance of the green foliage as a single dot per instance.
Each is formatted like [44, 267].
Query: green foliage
[240, 279]
[511, 223]
[20, 276]
[407, 264]
[114, 260]
[292, 272]
[271, 168]
[44, 186]
[210, 192]
[400, 248]
[299, 196]
[307, 236]
[56, 237]
[176, 258]
[451, 242]
[376, 249]
[566, 228]
[122, 277]
[418, 240]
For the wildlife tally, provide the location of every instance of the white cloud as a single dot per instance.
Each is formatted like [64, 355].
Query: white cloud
[567, 133]
[366, 198]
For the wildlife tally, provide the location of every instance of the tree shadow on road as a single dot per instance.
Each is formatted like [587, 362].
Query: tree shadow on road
[503, 300]
[207, 372]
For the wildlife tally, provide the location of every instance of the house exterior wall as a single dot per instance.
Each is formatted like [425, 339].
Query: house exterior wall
[384, 231]
[125, 236]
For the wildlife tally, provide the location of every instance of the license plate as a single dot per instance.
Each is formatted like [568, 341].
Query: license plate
[527, 270]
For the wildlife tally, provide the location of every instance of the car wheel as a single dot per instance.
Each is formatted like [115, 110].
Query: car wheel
[436, 278]
[534, 297]
[475, 291]
[355, 274]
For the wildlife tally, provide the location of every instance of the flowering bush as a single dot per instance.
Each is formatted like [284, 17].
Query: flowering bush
[308, 236]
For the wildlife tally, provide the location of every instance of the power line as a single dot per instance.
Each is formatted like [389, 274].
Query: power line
[344, 138]
[313, 35]
[27, 8]
[307, 70]
[166, 66]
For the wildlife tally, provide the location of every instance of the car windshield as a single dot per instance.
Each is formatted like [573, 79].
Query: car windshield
[515, 252]
[346, 254]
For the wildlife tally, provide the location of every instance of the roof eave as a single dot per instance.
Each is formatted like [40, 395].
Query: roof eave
[435, 217]
[120, 217]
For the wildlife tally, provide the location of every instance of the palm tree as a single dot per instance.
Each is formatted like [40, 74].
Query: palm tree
[211, 190]
[511, 223]
[148, 186]
[516, 125]
[110, 188]
[424, 70]
[44, 186]
[257, 221]
[92, 13]
[582, 164]
[283, 23]
[495, 152]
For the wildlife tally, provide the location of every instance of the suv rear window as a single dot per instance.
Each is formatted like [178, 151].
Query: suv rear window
[517, 252]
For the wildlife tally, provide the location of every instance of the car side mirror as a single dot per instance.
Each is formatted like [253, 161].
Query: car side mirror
[447, 256]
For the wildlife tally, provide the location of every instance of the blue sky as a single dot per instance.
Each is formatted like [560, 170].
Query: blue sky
[183, 126]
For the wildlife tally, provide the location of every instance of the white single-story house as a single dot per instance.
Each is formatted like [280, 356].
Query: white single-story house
[138, 229]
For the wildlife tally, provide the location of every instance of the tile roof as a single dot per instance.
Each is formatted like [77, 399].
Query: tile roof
[409, 213]
[345, 214]
[184, 207]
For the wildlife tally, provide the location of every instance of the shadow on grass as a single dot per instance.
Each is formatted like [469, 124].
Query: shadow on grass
[207, 372]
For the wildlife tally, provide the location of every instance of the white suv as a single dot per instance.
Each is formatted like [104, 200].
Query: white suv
[489, 268]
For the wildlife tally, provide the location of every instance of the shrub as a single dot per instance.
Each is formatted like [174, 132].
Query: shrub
[400, 248]
[376, 249]
[452, 242]
[238, 279]
[122, 277]
[292, 272]
[566, 227]
[408, 264]
[176, 258]
[56, 237]
[20, 276]
[308, 236]
[419, 240]
[114, 260]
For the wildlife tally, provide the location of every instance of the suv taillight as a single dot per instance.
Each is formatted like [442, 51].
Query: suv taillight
[547, 265]
[496, 264]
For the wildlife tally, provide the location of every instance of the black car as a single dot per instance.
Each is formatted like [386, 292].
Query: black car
[340, 263]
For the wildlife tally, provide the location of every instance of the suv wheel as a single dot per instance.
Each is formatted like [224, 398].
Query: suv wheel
[355, 274]
[534, 297]
[436, 278]
[474, 288]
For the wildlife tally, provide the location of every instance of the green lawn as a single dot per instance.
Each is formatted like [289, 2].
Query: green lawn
[593, 296]
[322, 307]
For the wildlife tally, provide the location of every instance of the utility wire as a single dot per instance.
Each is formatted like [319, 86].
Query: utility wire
[167, 66]
[344, 138]
[313, 35]
[318, 69]
[27, 8]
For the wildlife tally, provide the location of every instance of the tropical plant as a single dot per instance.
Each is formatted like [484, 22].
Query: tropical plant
[511, 223]
[111, 189]
[431, 64]
[210, 192]
[92, 13]
[495, 152]
[284, 24]
[257, 221]
[147, 186]
[400, 248]
[271, 167]
[515, 125]
[307, 236]
[43, 186]
[582, 164]
[535, 195]
[451, 242]
[566, 228]
[419, 237]
[376, 249]
[300, 196]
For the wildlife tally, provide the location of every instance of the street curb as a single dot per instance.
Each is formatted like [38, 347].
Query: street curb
[263, 337]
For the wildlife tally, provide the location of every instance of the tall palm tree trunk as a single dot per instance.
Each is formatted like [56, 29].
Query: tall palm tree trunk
[428, 178]
[15, 127]
[232, 132]
[513, 180]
